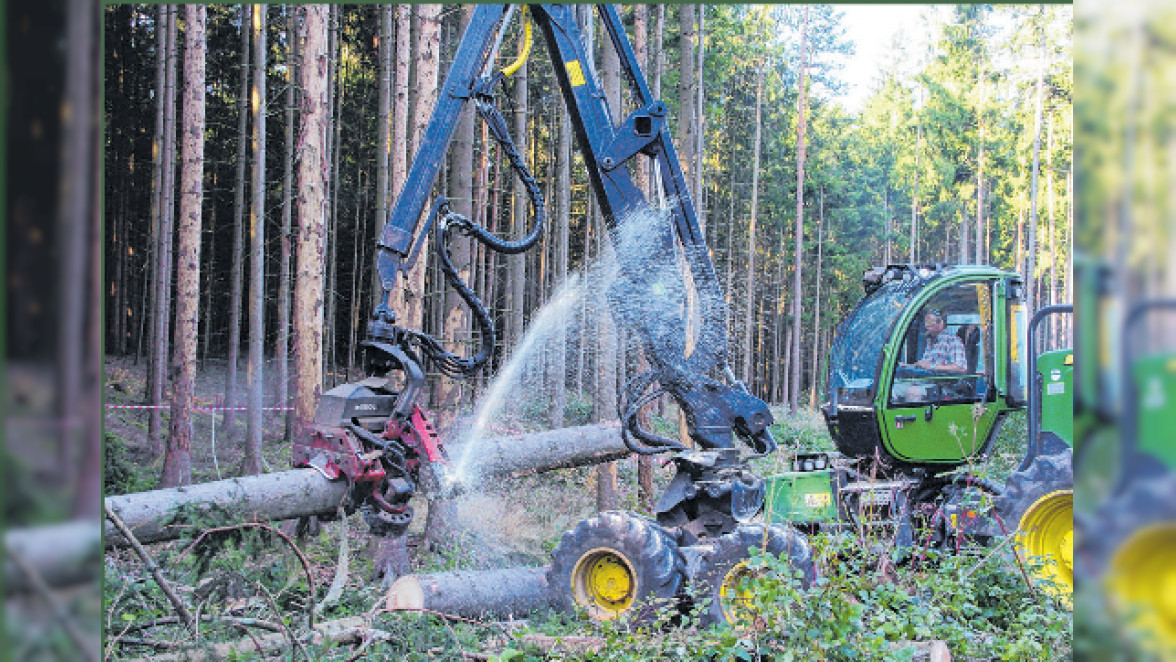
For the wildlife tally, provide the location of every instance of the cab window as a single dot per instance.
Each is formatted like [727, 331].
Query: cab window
[946, 352]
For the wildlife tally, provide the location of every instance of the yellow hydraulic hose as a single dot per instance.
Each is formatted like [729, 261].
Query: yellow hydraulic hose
[526, 48]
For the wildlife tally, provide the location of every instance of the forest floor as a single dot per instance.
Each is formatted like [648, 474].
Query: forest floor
[975, 600]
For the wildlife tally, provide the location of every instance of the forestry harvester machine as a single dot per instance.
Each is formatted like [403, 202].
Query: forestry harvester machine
[905, 435]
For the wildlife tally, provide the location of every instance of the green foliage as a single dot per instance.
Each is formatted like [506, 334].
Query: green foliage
[120, 474]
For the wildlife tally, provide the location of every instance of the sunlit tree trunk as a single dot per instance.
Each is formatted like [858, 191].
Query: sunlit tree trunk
[236, 284]
[816, 360]
[749, 318]
[310, 212]
[251, 460]
[163, 276]
[797, 288]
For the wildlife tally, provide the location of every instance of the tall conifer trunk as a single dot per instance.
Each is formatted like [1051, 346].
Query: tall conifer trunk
[177, 463]
[251, 460]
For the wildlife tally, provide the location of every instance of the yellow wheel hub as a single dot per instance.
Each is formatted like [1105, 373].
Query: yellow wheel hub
[1046, 531]
[604, 583]
[1141, 582]
[734, 596]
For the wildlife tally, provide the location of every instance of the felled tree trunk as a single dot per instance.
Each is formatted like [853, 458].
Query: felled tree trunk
[510, 592]
[59, 554]
[504, 457]
[160, 514]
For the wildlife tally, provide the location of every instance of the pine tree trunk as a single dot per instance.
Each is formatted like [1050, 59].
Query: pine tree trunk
[457, 322]
[410, 299]
[1052, 333]
[700, 119]
[797, 288]
[236, 285]
[915, 191]
[76, 384]
[687, 94]
[251, 461]
[1031, 252]
[147, 314]
[563, 200]
[606, 474]
[980, 239]
[642, 179]
[749, 320]
[335, 100]
[816, 360]
[163, 280]
[519, 208]
[177, 463]
[282, 351]
[384, 115]
[310, 211]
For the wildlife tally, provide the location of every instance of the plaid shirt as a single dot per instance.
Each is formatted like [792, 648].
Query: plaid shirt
[947, 350]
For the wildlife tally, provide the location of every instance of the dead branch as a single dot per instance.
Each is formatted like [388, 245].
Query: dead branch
[276, 532]
[180, 608]
[42, 589]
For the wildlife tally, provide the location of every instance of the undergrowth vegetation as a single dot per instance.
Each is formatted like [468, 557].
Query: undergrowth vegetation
[245, 583]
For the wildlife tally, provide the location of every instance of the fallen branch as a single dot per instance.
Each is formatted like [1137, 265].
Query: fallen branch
[180, 608]
[38, 584]
[276, 532]
[351, 631]
[341, 569]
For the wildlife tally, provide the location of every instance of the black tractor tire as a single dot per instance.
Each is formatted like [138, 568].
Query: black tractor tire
[635, 551]
[1047, 474]
[720, 566]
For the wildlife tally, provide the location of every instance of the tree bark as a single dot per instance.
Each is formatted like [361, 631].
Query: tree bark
[643, 181]
[236, 284]
[687, 94]
[163, 276]
[749, 320]
[1031, 252]
[409, 299]
[311, 208]
[606, 396]
[251, 461]
[177, 463]
[797, 288]
[563, 199]
[457, 322]
[282, 351]
[816, 360]
[505, 593]
[147, 315]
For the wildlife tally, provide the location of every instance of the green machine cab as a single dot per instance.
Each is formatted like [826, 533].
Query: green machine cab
[921, 376]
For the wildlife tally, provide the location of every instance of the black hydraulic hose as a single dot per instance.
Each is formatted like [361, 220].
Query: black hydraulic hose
[631, 430]
[447, 362]
[484, 102]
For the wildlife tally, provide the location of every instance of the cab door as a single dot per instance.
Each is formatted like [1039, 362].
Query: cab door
[943, 414]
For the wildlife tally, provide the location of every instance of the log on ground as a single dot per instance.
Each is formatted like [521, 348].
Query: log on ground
[504, 593]
[536, 452]
[159, 515]
[60, 554]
